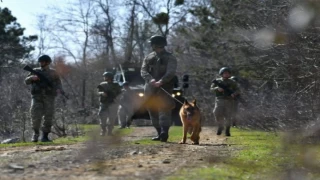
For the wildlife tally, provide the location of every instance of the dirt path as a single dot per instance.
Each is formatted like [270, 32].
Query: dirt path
[111, 158]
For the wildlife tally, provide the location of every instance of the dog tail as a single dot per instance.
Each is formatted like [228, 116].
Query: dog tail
[190, 129]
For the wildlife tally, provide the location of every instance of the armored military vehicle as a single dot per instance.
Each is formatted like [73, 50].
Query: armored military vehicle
[136, 83]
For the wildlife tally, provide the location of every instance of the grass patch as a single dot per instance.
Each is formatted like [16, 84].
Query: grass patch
[256, 155]
[86, 130]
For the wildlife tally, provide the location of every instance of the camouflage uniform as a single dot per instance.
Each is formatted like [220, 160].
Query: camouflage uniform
[108, 105]
[161, 67]
[43, 100]
[126, 108]
[224, 104]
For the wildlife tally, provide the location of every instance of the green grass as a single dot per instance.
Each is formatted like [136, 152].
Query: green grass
[86, 130]
[255, 155]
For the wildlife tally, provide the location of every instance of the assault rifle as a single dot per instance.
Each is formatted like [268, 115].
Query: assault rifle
[43, 79]
[228, 92]
[111, 95]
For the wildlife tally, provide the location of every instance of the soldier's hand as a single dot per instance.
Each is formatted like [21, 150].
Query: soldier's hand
[103, 94]
[153, 82]
[158, 84]
[220, 89]
[233, 95]
[35, 78]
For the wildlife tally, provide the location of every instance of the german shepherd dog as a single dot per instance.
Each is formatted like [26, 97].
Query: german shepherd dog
[191, 120]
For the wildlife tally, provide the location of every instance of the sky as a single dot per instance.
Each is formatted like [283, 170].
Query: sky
[26, 10]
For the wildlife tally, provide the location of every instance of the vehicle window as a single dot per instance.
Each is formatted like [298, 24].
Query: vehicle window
[134, 77]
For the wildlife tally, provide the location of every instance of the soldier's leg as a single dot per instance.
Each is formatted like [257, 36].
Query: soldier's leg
[229, 110]
[103, 115]
[130, 113]
[165, 114]
[49, 108]
[165, 123]
[112, 117]
[219, 114]
[235, 113]
[122, 116]
[154, 117]
[36, 112]
[152, 105]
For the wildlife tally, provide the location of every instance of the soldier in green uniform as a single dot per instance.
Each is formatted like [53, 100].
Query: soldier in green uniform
[43, 98]
[158, 70]
[226, 90]
[108, 92]
[126, 107]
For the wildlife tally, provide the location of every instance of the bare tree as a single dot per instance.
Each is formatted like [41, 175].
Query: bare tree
[105, 29]
[71, 33]
[43, 33]
[173, 14]
[130, 36]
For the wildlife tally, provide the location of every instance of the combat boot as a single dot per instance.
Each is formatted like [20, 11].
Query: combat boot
[220, 129]
[129, 123]
[35, 136]
[103, 131]
[110, 131]
[164, 134]
[157, 138]
[45, 137]
[228, 131]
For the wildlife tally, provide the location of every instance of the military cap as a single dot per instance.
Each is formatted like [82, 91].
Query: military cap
[222, 70]
[108, 74]
[44, 58]
[158, 40]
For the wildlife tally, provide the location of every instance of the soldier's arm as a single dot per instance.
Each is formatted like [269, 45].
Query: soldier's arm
[57, 81]
[236, 89]
[100, 91]
[213, 87]
[28, 79]
[145, 70]
[171, 70]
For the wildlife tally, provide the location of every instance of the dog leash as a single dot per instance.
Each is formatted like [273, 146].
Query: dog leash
[171, 95]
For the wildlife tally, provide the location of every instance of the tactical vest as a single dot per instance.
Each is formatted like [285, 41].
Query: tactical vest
[111, 89]
[158, 65]
[41, 88]
[228, 83]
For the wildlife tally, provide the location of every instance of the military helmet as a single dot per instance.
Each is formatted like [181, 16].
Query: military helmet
[44, 58]
[222, 70]
[108, 75]
[158, 40]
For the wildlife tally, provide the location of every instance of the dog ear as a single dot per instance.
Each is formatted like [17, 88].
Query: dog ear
[185, 101]
[194, 102]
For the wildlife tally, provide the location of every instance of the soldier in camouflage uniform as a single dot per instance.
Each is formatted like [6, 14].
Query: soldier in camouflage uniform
[126, 107]
[158, 70]
[108, 93]
[224, 105]
[43, 97]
